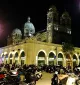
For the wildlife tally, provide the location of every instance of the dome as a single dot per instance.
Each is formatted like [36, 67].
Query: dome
[29, 27]
[16, 31]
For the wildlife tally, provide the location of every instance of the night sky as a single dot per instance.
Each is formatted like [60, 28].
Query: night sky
[14, 13]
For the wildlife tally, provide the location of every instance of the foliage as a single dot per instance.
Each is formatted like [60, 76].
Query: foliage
[67, 48]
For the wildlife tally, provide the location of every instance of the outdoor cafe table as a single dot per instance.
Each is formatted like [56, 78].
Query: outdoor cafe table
[62, 76]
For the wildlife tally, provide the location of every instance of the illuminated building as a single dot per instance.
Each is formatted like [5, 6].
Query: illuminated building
[44, 47]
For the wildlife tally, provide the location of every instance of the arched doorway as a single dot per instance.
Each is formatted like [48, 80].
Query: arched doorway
[2, 58]
[22, 57]
[6, 57]
[60, 59]
[16, 58]
[74, 60]
[51, 58]
[11, 58]
[41, 58]
[68, 61]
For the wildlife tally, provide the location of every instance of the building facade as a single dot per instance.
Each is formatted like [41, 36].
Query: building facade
[41, 47]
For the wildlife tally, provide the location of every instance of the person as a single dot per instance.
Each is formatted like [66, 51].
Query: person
[28, 77]
[71, 80]
[55, 79]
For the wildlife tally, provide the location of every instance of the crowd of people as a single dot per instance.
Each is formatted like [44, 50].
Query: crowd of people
[26, 73]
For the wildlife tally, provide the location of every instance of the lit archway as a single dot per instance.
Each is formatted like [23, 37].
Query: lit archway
[74, 60]
[6, 57]
[16, 58]
[11, 55]
[41, 58]
[51, 58]
[68, 61]
[2, 57]
[22, 56]
[60, 59]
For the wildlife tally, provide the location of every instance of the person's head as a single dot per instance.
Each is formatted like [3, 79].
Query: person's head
[56, 72]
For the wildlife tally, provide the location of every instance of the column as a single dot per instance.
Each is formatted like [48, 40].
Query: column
[47, 61]
[19, 60]
[64, 61]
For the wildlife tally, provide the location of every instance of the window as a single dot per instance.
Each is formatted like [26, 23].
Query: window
[22, 62]
[3, 56]
[16, 54]
[55, 27]
[68, 31]
[23, 54]
[10, 61]
[16, 61]
[11, 55]
[16, 34]
[49, 19]
[6, 56]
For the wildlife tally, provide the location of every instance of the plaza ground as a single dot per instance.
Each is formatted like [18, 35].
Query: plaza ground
[46, 79]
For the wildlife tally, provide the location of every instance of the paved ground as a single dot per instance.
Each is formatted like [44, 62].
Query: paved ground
[45, 80]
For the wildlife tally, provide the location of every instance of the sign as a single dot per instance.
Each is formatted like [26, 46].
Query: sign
[54, 56]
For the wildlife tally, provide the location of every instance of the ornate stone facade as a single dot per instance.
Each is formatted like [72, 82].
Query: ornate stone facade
[39, 48]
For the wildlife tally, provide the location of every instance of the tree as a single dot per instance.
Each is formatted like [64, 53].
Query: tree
[68, 48]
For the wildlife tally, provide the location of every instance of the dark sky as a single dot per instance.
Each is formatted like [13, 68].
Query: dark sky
[14, 13]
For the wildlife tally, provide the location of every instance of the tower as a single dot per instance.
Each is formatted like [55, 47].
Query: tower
[65, 27]
[52, 22]
[65, 22]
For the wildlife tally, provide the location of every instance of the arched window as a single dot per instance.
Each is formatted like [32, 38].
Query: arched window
[51, 55]
[41, 54]
[51, 58]
[22, 57]
[41, 58]
[3, 56]
[60, 59]
[16, 54]
[74, 60]
[11, 55]
[6, 56]
[23, 54]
